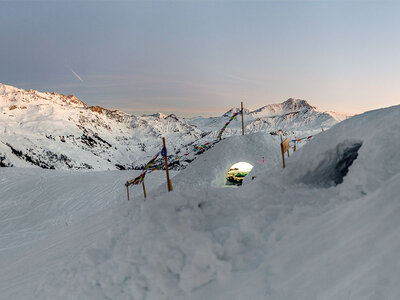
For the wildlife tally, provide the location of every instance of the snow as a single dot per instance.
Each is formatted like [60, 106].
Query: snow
[61, 132]
[290, 105]
[211, 167]
[348, 252]
[51, 130]
[290, 115]
[48, 215]
[293, 233]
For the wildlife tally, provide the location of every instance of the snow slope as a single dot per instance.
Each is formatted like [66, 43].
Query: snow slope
[47, 216]
[323, 228]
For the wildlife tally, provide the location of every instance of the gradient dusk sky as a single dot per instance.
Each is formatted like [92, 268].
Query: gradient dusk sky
[204, 57]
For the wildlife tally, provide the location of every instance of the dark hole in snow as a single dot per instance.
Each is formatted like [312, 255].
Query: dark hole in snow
[335, 165]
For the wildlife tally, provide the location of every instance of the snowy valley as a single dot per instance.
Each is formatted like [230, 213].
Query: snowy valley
[54, 131]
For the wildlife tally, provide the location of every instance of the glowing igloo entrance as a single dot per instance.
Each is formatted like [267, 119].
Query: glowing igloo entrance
[237, 172]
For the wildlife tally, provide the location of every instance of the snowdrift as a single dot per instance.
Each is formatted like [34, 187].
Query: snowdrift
[371, 139]
[326, 227]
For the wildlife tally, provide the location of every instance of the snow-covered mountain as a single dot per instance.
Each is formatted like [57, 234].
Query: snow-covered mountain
[55, 131]
[291, 115]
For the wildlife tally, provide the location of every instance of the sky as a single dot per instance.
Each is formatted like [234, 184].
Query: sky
[204, 57]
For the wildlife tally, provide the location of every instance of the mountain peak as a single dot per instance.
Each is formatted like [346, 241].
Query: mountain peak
[12, 94]
[288, 106]
[5, 89]
[172, 116]
[97, 109]
[295, 104]
[159, 115]
[234, 110]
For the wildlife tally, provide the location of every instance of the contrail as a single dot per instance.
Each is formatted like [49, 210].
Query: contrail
[77, 76]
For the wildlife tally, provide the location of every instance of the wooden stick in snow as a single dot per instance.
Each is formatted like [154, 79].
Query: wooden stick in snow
[144, 190]
[170, 188]
[127, 190]
[241, 104]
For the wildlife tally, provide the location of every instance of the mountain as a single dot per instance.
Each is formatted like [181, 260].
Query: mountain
[289, 106]
[51, 130]
[55, 131]
[290, 115]
[234, 110]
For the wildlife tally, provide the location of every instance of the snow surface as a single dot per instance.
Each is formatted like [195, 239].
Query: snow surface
[290, 233]
[47, 216]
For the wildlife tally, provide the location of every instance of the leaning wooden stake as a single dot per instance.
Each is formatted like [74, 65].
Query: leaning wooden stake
[144, 190]
[127, 190]
[170, 188]
[241, 104]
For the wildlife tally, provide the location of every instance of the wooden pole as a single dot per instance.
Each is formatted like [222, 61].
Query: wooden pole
[241, 104]
[127, 190]
[170, 188]
[284, 148]
[144, 190]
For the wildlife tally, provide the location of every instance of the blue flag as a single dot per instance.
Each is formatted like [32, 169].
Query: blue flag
[164, 151]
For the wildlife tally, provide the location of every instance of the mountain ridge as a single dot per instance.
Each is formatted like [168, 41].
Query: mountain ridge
[51, 130]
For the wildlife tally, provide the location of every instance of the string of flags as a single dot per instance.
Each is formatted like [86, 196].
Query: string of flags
[157, 168]
[202, 146]
[140, 178]
[195, 149]
[227, 123]
[303, 138]
[219, 136]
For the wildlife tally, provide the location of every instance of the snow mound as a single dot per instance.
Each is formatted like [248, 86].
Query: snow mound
[347, 252]
[367, 140]
[211, 167]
